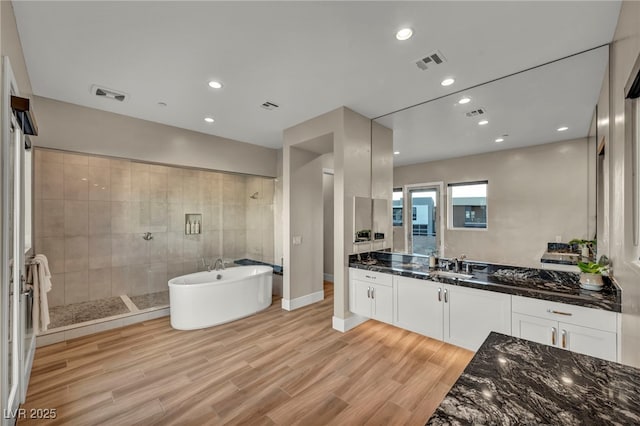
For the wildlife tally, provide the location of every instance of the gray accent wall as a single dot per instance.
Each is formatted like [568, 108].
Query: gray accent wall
[92, 211]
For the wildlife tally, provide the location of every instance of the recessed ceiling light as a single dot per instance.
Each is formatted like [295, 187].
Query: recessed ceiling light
[562, 129]
[404, 34]
[215, 84]
[396, 152]
[500, 140]
[483, 122]
[209, 119]
[447, 81]
[464, 100]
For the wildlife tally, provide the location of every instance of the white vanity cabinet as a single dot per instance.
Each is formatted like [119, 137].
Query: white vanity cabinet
[470, 315]
[575, 328]
[371, 294]
[418, 306]
[458, 315]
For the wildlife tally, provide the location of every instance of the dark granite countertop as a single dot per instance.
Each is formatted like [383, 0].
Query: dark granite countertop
[514, 381]
[556, 286]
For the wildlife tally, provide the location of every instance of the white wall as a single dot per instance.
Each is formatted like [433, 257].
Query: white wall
[306, 219]
[327, 192]
[11, 47]
[382, 177]
[617, 221]
[278, 201]
[75, 128]
[534, 194]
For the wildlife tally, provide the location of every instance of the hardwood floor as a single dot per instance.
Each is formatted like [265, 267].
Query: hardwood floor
[276, 367]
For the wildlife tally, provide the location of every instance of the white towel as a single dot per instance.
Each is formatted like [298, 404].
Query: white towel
[40, 275]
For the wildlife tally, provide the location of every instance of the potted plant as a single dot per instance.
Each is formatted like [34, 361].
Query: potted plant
[591, 273]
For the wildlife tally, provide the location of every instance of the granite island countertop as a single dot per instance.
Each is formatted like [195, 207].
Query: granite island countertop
[516, 381]
[556, 286]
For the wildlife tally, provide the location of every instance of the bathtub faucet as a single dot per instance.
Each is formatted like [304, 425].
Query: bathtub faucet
[218, 261]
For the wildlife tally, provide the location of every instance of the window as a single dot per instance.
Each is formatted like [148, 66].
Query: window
[398, 199]
[468, 205]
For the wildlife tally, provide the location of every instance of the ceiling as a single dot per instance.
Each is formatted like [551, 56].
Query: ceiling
[307, 57]
[527, 107]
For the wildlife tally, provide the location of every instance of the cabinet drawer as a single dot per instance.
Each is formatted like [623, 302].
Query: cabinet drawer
[371, 277]
[571, 314]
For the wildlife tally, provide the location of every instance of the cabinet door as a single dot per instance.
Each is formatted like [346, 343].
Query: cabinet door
[588, 341]
[419, 307]
[359, 300]
[540, 330]
[470, 315]
[382, 303]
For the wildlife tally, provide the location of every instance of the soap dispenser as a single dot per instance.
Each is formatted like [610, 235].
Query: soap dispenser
[187, 229]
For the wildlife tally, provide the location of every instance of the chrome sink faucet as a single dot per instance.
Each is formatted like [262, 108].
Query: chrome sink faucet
[457, 263]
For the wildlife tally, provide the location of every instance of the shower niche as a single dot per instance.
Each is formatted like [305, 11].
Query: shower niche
[193, 223]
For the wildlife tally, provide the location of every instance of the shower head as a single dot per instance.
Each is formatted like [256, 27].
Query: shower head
[254, 196]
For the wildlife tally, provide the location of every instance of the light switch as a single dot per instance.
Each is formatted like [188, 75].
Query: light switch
[297, 240]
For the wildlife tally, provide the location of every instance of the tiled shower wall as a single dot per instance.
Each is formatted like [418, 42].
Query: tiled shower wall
[91, 213]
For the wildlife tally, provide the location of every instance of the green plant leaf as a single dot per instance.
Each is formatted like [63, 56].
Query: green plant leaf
[591, 267]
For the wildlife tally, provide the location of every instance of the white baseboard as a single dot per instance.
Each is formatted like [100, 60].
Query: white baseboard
[328, 277]
[299, 302]
[346, 324]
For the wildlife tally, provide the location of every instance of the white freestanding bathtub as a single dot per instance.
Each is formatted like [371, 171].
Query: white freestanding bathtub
[205, 299]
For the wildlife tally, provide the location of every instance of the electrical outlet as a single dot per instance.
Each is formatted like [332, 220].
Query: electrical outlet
[297, 240]
[558, 238]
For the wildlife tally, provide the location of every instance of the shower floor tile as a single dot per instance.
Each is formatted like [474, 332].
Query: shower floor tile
[75, 313]
[151, 300]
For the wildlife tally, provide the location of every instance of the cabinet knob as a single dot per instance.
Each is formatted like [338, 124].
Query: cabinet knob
[368, 292]
[553, 336]
[564, 339]
[445, 296]
[439, 295]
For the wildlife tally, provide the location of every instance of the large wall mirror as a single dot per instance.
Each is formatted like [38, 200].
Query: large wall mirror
[528, 136]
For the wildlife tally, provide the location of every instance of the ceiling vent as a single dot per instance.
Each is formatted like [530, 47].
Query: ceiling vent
[476, 112]
[431, 60]
[269, 105]
[108, 93]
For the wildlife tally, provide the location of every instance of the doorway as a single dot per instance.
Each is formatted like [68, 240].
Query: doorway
[422, 218]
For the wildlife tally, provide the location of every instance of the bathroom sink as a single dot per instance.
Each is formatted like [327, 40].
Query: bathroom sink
[448, 274]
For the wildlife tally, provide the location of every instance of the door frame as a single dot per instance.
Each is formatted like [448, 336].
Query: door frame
[407, 217]
[12, 397]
